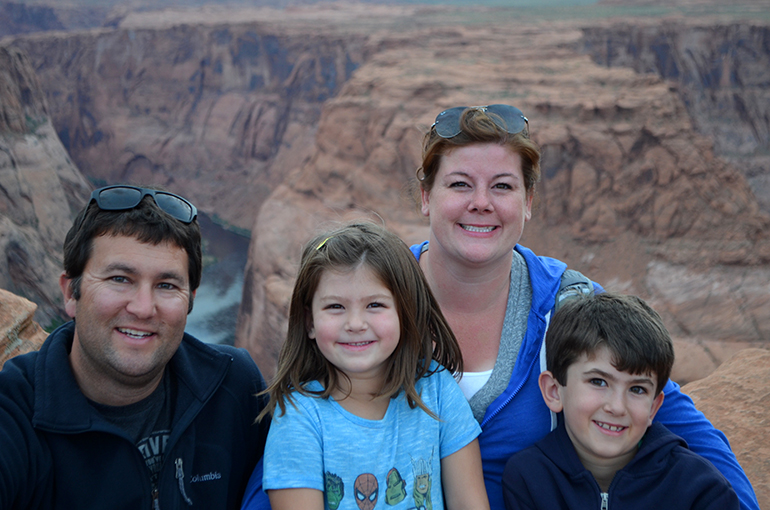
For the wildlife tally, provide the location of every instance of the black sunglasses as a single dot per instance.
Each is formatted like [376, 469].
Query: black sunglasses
[509, 118]
[121, 198]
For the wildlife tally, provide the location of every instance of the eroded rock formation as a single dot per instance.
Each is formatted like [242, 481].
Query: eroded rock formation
[40, 189]
[27, 17]
[631, 193]
[19, 333]
[721, 73]
[279, 121]
[216, 111]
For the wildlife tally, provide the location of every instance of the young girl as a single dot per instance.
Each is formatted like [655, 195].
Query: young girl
[375, 418]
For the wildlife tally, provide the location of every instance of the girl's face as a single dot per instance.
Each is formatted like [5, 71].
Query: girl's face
[478, 204]
[355, 322]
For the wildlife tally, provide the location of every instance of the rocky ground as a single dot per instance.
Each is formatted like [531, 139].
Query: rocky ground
[735, 398]
[19, 333]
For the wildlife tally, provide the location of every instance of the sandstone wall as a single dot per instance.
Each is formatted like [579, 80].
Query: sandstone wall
[40, 189]
[19, 333]
[217, 111]
[721, 72]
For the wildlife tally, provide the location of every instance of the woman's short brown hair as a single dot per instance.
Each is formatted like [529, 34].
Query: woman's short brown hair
[479, 126]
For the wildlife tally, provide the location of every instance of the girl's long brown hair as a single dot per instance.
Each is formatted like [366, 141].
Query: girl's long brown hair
[425, 334]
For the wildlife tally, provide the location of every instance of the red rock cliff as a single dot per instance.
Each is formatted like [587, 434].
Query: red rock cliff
[721, 73]
[218, 111]
[632, 193]
[41, 189]
[282, 120]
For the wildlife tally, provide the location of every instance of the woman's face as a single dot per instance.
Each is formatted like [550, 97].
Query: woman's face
[478, 204]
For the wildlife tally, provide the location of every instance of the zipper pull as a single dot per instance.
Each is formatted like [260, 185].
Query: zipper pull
[605, 501]
[155, 502]
[180, 479]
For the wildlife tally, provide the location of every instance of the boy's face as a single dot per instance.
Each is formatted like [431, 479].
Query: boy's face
[606, 412]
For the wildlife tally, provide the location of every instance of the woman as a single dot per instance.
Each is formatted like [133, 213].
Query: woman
[477, 182]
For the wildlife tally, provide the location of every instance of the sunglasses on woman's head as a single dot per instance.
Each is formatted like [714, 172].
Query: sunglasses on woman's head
[121, 198]
[509, 118]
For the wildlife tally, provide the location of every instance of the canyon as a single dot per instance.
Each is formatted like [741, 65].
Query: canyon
[655, 135]
[277, 122]
[40, 186]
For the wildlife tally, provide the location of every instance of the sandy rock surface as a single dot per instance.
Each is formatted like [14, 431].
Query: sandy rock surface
[18, 332]
[736, 398]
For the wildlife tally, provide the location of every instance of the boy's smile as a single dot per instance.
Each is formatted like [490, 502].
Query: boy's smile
[606, 411]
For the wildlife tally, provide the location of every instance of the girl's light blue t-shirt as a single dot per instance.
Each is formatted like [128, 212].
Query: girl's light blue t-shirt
[362, 464]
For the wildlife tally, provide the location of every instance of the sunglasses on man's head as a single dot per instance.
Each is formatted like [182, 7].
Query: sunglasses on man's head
[121, 198]
[509, 118]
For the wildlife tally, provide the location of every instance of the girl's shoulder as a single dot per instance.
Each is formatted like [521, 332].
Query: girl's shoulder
[436, 373]
[439, 381]
[306, 398]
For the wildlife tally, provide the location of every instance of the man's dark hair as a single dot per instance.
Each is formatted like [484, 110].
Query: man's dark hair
[146, 222]
[632, 331]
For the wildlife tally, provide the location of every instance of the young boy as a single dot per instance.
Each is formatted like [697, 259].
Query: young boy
[608, 358]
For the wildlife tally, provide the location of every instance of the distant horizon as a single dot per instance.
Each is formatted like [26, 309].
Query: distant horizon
[297, 3]
[537, 10]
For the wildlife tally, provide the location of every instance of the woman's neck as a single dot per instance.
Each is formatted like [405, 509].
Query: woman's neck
[473, 302]
[466, 290]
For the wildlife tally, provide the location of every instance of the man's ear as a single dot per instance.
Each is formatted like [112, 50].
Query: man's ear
[550, 389]
[655, 406]
[70, 303]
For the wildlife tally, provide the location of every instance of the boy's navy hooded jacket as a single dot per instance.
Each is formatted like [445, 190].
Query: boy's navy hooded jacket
[59, 453]
[664, 473]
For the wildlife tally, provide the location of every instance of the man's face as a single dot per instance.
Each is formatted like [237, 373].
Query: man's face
[130, 317]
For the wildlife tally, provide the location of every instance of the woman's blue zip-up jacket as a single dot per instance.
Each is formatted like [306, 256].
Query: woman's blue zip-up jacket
[519, 418]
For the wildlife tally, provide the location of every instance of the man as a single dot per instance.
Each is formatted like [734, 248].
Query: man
[120, 408]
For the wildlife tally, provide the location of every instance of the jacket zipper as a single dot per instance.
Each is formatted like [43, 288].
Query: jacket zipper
[155, 502]
[180, 479]
[605, 501]
[512, 395]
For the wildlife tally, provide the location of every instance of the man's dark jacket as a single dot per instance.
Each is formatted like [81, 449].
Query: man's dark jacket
[57, 452]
